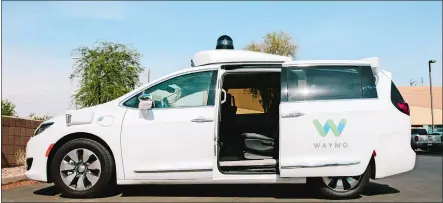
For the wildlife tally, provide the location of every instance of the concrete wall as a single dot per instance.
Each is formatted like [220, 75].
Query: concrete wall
[15, 134]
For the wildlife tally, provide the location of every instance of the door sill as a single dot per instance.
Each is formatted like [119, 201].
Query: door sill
[248, 167]
[249, 163]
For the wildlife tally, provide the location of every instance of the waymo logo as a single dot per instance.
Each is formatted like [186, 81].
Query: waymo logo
[330, 125]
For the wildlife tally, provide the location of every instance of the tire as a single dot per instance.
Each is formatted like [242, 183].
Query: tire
[354, 191]
[79, 178]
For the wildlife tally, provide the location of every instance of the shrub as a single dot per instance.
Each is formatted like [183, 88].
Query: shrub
[20, 157]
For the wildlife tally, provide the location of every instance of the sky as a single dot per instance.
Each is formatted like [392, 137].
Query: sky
[38, 38]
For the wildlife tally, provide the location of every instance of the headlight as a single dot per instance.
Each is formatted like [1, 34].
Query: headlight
[42, 128]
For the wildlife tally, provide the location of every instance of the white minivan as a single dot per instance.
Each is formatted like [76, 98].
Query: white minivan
[334, 124]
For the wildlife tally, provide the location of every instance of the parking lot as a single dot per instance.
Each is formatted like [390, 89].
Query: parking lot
[424, 184]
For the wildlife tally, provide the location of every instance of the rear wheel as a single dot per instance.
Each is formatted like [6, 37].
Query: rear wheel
[82, 168]
[343, 187]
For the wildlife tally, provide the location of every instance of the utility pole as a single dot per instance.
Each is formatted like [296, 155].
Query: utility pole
[149, 75]
[430, 92]
[421, 81]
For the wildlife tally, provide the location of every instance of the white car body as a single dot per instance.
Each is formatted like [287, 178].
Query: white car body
[163, 146]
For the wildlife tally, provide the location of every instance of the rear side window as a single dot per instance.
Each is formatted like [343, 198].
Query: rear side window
[330, 83]
[395, 94]
[398, 101]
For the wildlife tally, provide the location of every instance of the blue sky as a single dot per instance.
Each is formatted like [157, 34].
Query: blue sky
[38, 37]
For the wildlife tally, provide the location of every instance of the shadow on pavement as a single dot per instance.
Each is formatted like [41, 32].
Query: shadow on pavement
[296, 191]
[49, 191]
[429, 153]
[374, 189]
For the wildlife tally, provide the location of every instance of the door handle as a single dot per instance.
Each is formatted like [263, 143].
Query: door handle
[224, 96]
[202, 120]
[292, 115]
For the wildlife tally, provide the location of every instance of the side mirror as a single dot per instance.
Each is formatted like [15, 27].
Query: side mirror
[145, 102]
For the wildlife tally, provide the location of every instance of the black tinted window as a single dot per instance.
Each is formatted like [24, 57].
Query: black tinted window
[324, 83]
[395, 94]
[419, 131]
[190, 90]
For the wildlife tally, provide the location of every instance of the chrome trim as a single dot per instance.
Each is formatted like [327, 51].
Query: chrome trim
[320, 165]
[293, 115]
[202, 120]
[249, 70]
[244, 63]
[326, 100]
[322, 64]
[169, 108]
[172, 171]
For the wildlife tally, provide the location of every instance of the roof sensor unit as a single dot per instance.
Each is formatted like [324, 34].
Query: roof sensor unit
[224, 42]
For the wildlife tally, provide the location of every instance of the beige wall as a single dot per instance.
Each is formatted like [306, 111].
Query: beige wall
[419, 96]
[422, 116]
[419, 100]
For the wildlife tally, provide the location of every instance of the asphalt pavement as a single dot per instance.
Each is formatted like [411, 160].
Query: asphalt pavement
[423, 184]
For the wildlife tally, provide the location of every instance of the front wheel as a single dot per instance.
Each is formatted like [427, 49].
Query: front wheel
[342, 187]
[82, 168]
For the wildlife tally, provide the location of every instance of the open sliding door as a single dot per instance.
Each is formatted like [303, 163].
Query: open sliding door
[328, 118]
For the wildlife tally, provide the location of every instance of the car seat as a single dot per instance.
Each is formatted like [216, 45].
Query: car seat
[231, 141]
[228, 109]
[265, 142]
[258, 144]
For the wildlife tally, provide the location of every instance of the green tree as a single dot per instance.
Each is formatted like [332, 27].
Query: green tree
[41, 118]
[279, 43]
[8, 108]
[106, 72]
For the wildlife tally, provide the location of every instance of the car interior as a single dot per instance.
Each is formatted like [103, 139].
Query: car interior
[248, 139]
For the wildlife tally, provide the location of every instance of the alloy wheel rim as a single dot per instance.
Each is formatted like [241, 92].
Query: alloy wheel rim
[80, 169]
[342, 184]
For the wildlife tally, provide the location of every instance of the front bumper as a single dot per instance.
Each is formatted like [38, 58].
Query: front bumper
[36, 151]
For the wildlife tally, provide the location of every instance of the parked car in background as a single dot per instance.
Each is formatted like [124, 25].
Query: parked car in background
[438, 131]
[421, 139]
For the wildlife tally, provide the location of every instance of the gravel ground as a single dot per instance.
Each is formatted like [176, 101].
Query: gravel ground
[14, 171]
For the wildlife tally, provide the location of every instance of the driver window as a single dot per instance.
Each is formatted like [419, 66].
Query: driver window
[190, 90]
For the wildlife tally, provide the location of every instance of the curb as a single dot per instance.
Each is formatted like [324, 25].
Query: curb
[13, 179]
